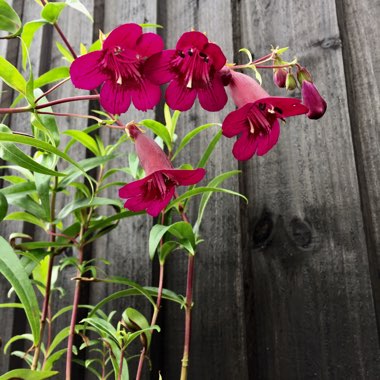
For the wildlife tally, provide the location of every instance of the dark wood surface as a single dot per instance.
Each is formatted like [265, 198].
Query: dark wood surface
[287, 287]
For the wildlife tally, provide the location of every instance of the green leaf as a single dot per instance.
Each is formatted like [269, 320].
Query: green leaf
[248, 53]
[85, 165]
[76, 4]
[158, 129]
[9, 20]
[167, 294]
[200, 190]
[206, 196]
[26, 217]
[104, 328]
[11, 76]
[181, 230]
[12, 270]
[46, 124]
[166, 249]
[28, 374]
[54, 75]
[49, 363]
[28, 31]
[9, 137]
[83, 203]
[60, 337]
[133, 317]
[85, 139]
[52, 11]
[3, 206]
[210, 148]
[191, 135]
[65, 52]
[10, 152]
[16, 338]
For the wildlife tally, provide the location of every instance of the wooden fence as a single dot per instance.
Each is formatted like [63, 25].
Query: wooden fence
[287, 287]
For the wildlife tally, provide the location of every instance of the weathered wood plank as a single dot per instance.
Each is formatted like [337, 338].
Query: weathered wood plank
[310, 307]
[358, 22]
[126, 247]
[217, 345]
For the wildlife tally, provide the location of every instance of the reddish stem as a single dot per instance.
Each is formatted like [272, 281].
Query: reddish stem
[67, 100]
[64, 39]
[51, 89]
[121, 365]
[188, 306]
[154, 318]
[74, 314]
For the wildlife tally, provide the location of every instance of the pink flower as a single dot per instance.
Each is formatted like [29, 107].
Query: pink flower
[313, 100]
[192, 69]
[256, 121]
[119, 66]
[154, 192]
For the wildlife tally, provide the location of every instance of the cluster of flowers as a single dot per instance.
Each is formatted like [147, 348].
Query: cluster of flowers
[132, 65]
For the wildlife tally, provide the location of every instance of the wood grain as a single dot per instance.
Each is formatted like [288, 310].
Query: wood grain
[217, 345]
[310, 304]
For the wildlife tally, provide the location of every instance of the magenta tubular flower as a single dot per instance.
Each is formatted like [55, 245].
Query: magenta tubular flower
[313, 100]
[192, 69]
[119, 66]
[154, 192]
[258, 126]
[256, 121]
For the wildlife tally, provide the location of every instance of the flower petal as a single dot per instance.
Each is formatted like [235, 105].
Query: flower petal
[213, 98]
[186, 177]
[286, 107]
[124, 36]
[236, 122]
[192, 39]
[149, 44]
[244, 89]
[266, 142]
[157, 67]
[134, 188]
[85, 71]
[147, 96]
[218, 59]
[156, 206]
[245, 146]
[179, 97]
[115, 98]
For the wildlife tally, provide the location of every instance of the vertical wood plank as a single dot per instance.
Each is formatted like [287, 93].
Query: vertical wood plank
[126, 246]
[217, 343]
[310, 303]
[359, 27]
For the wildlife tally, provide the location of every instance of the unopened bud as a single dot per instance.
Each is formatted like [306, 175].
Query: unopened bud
[290, 82]
[279, 77]
[303, 74]
[312, 99]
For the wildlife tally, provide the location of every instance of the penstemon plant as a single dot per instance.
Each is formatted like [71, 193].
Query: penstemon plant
[127, 65]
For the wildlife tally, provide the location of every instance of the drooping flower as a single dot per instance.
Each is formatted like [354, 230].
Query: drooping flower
[119, 68]
[193, 69]
[313, 100]
[153, 192]
[256, 121]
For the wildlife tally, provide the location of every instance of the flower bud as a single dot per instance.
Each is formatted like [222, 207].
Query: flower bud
[303, 74]
[290, 82]
[313, 100]
[279, 77]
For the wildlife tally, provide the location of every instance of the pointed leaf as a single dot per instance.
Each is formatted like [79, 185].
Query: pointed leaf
[11, 76]
[28, 374]
[52, 11]
[9, 20]
[12, 270]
